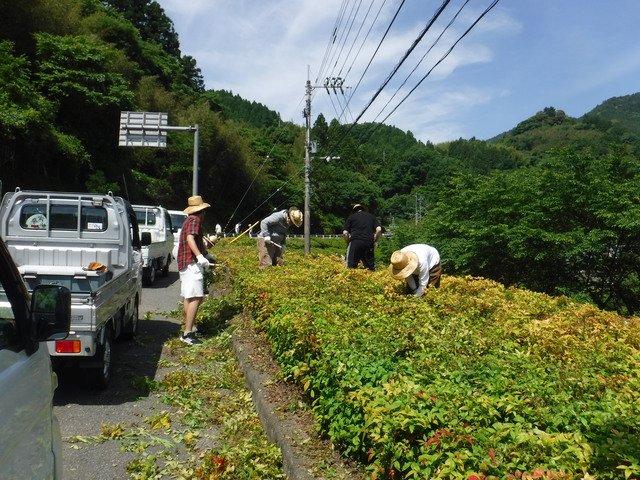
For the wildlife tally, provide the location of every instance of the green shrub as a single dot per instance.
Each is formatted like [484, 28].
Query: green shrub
[474, 380]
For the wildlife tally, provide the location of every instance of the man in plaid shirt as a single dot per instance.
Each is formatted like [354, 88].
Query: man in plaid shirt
[192, 259]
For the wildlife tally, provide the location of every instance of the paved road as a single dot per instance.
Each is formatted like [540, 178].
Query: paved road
[82, 410]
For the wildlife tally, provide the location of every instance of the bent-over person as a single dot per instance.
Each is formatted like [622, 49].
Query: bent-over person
[272, 239]
[417, 264]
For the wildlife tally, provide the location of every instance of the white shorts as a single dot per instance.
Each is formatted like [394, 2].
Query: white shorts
[192, 281]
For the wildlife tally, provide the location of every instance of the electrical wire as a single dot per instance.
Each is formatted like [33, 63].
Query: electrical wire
[332, 38]
[395, 16]
[366, 15]
[422, 59]
[487, 10]
[368, 105]
[404, 57]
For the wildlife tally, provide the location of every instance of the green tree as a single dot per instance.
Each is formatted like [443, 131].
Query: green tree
[151, 21]
[73, 71]
[569, 225]
[22, 107]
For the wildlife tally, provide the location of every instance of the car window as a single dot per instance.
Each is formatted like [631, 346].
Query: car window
[146, 217]
[64, 217]
[177, 219]
[33, 217]
[167, 223]
[77, 283]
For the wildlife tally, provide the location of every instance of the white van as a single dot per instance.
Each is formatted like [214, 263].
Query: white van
[30, 443]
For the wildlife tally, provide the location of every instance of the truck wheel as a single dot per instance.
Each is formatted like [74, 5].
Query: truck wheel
[149, 275]
[131, 328]
[165, 269]
[102, 374]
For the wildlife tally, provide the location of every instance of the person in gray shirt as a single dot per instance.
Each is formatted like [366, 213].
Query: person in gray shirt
[273, 236]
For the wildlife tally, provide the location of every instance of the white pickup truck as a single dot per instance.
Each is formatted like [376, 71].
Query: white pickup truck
[157, 238]
[90, 244]
[177, 219]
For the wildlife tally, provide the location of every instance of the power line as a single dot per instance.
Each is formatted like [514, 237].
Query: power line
[338, 41]
[395, 16]
[423, 57]
[377, 93]
[332, 39]
[356, 38]
[487, 10]
[404, 57]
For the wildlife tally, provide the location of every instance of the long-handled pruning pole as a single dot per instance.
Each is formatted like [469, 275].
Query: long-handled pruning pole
[247, 230]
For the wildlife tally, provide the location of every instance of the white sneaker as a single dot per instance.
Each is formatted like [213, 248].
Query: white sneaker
[190, 338]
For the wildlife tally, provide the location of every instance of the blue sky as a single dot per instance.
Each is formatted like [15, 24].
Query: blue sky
[523, 56]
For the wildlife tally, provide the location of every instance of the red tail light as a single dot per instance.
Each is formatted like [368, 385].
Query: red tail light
[68, 346]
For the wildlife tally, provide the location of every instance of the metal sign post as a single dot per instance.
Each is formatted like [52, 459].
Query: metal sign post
[149, 129]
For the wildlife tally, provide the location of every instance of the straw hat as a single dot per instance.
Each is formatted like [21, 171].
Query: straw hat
[195, 205]
[210, 240]
[403, 264]
[296, 216]
[359, 206]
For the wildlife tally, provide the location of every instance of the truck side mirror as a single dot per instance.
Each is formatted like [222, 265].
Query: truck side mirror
[50, 312]
[145, 238]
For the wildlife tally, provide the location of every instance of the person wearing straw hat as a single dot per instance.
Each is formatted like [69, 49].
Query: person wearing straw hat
[361, 232]
[273, 236]
[417, 264]
[192, 260]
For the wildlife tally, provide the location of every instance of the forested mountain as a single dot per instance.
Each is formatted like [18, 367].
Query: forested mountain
[619, 111]
[241, 111]
[549, 205]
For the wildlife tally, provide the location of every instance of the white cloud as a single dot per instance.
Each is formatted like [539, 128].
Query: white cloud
[518, 59]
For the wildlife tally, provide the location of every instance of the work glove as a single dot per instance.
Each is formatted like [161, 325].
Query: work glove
[267, 240]
[210, 257]
[202, 261]
[419, 292]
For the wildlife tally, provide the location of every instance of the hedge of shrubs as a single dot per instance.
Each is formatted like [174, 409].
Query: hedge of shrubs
[472, 381]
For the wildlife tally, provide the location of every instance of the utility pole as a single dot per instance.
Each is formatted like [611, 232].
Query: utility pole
[307, 170]
[333, 83]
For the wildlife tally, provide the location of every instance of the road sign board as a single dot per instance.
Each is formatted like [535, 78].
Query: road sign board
[143, 129]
